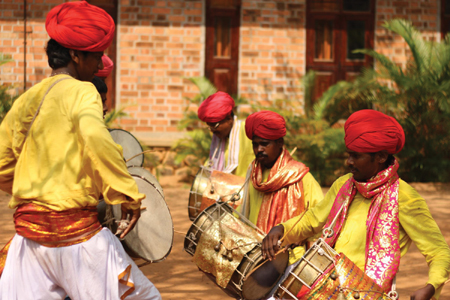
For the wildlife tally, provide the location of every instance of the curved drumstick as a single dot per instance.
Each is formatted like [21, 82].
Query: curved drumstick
[279, 242]
[146, 151]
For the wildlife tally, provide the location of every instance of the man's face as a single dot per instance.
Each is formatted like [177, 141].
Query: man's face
[222, 129]
[266, 151]
[363, 166]
[88, 64]
[105, 107]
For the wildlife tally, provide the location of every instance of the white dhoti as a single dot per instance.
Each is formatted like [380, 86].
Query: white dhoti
[85, 271]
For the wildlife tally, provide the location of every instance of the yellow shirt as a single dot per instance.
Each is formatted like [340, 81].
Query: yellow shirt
[246, 154]
[312, 195]
[69, 158]
[416, 224]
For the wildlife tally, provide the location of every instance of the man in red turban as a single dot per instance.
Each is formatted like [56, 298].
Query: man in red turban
[230, 152]
[108, 66]
[279, 187]
[373, 214]
[56, 160]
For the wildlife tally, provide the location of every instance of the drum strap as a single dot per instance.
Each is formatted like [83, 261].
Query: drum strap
[42, 101]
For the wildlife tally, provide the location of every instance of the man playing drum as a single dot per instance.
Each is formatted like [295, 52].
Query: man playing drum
[281, 187]
[381, 214]
[231, 151]
[56, 159]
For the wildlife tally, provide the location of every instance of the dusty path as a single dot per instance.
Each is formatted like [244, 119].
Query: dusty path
[178, 278]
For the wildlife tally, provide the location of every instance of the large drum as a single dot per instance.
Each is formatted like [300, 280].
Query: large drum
[209, 186]
[152, 237]
[144, 173]
[227, 247]
[130, 145]
[324, 274]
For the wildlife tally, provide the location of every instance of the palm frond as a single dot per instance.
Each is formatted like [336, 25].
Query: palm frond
[205, 87]
[420, 49]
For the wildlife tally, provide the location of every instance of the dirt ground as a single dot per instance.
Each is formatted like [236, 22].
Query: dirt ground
[178, 278]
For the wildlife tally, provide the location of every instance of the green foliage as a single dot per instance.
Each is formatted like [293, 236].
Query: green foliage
[417, 96]
[113, 115]
[6, 95]
[6, 101]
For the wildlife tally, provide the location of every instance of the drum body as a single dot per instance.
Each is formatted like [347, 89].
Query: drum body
[130, 145]
[324, 274]
[210, 185]
[204, 235]
[152, 237]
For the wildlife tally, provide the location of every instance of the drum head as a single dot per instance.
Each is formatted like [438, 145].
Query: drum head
[146, 174]
[152, 237]
[130, 146]
[201, 181]
[259, 284]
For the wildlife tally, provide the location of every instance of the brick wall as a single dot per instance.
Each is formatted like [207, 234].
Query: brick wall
[424, 15]
[12, 41]
[159, 44]
[272, 49]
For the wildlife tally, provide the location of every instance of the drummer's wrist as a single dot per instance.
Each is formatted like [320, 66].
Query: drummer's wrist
[132, 205]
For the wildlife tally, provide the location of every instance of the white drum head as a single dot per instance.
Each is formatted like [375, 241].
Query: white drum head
[130, 146]
[146, 174]
[152, 237]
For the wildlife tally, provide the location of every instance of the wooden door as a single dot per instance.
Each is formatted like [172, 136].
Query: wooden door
[222, 44]
[334, 29]
[445, 18]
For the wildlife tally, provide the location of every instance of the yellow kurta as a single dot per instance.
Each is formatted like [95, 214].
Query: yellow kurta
[69, 158]
[246, 155]
[416, 224]
[312, 195]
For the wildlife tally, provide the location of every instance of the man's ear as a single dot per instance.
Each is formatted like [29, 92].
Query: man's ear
[382, 157]
[280, 142]
[75, 55]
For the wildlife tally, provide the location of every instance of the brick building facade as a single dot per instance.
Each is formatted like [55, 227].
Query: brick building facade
[160, 43]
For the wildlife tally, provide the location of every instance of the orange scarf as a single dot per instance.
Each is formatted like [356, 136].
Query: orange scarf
[53, 228]
[283, 190]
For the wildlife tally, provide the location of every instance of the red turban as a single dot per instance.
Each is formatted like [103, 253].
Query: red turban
[216, 107]
[80, 26]
[107, 67]
[371, 131]
[266, 124]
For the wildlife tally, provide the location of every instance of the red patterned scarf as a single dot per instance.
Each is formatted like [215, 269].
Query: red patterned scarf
[283, 190]
[382, 224]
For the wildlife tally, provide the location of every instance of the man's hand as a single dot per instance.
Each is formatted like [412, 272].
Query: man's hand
[270, 243]
[425, 293]
[135, 215]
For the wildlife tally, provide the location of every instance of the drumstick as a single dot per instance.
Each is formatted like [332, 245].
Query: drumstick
[296, 222]
[293, 151]
[146, 151]
[279, 242]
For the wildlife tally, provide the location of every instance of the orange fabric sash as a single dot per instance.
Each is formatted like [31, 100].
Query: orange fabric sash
[283, 190]
[53, 228]
[56, 228]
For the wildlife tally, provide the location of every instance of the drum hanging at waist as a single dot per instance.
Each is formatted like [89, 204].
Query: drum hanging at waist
[152, 237]
[227, 247]
[323, 274]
